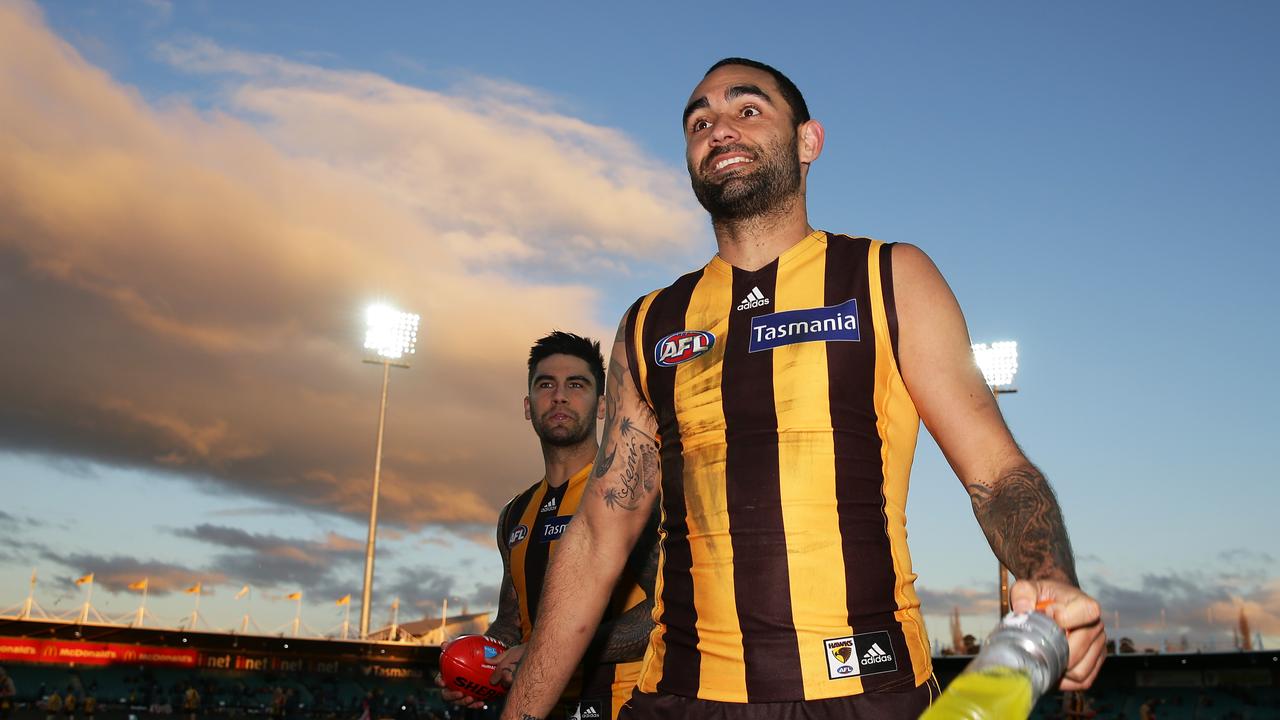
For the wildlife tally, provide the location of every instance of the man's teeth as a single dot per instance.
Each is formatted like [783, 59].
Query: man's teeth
[730, 161]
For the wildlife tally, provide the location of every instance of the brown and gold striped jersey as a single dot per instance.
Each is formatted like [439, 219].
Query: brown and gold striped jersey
[786, 437]
[532, 524]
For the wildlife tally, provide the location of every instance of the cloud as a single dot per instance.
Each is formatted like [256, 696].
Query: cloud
[188, 283]
[275, 562]
[115, 573]
[969, 601]
[1202, 606]
[422, 592]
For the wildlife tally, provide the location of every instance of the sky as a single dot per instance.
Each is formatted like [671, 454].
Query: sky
[198, 200]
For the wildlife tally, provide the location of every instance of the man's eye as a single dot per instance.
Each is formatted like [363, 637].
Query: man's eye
[749, 111]
[699, 125]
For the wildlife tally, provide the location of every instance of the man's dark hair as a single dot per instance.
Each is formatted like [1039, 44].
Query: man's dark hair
[790, 93]
[566, 343]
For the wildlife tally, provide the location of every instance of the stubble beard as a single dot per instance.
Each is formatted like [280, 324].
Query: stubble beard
[768, 190]
[564, 436]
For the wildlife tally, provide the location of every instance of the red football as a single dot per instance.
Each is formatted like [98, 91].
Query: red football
[467, 664]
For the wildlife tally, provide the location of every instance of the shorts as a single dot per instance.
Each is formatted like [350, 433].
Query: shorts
[867, 706]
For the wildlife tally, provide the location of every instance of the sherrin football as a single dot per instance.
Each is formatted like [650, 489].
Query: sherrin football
[467, 664]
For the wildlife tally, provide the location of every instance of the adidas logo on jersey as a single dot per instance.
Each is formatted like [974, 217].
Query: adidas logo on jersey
[875, 655]
[860, 655]
[549, 506]
[754, 299]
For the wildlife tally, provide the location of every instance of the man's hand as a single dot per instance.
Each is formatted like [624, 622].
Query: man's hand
[1077, 614]
[456, 697]
[507, 662]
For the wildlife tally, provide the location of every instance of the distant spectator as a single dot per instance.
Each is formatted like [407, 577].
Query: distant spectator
[52, 706]
[366, 707]
[90, 707]
[69, 705]
[1148, 710]
[191, 702]
[7, 693]
[279, 703]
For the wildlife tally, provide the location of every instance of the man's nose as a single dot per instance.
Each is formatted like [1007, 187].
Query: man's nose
[724, 131]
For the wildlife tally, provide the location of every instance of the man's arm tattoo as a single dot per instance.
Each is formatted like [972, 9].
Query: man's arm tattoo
[506, 624]
[639, 450]
[626, 636]
[608, 449]
[1023, 522]
[638, 477]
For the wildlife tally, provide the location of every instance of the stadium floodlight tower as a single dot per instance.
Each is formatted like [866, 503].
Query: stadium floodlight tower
[390, 338]
[999, 363]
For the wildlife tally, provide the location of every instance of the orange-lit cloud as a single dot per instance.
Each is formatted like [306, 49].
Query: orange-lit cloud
[183, 287]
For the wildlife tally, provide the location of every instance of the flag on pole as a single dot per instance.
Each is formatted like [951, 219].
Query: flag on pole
[293, 596]
[344, 600]
[193, 590]
[395, 604]
[140, 585]
[86, 579]
[243, 591]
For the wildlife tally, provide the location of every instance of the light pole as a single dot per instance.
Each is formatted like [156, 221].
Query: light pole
[999, 363]
[392, 336]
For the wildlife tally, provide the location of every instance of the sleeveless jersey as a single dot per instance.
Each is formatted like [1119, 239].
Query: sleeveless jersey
[533, 523]
[786, 437]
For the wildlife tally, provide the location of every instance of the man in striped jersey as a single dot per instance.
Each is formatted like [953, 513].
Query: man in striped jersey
[768, 403]
[566, 383]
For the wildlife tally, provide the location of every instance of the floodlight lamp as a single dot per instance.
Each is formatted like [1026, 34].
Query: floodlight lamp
[391, 334]
[998, 361]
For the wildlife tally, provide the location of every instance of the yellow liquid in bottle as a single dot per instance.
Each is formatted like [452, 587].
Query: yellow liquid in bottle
[992, 694]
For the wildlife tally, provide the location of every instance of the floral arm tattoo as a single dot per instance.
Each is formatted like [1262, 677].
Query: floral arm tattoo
[626, 447]
[1023, 522]
[625, 444]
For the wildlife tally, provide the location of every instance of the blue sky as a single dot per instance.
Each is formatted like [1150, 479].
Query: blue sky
[204, 194]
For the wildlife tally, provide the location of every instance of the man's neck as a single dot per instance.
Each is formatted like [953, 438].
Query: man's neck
[752, 243]
[563, 463]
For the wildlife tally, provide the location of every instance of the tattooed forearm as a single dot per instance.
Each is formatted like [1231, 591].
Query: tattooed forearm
[1023, 522]
[506, 625]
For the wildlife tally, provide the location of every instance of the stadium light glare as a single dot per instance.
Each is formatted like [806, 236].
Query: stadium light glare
[998, 361]
[390, 334]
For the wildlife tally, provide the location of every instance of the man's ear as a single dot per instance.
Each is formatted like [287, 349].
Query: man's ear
[528, 412]
[600, 408]
[810, 136]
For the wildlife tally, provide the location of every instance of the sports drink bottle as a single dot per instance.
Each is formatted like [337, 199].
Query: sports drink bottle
[1022, 659]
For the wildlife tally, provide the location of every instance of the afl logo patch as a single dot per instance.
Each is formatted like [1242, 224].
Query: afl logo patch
[518, 535]
[683, 346]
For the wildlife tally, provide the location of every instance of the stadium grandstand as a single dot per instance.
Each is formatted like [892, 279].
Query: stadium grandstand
[137, 673]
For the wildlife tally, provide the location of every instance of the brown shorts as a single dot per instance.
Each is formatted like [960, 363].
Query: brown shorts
[868, 706]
